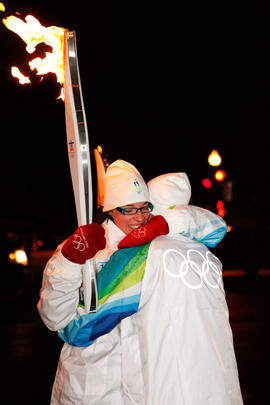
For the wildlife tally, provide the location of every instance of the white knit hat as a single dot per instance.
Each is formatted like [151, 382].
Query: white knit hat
[169, 190]
[123, 185]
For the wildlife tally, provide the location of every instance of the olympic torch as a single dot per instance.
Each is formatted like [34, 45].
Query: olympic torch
[63, 42]
[79, 158]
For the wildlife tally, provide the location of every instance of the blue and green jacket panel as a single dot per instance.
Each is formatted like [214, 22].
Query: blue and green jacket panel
[119, 292]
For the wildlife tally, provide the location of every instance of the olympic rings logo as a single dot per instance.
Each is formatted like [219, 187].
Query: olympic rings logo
[202, 266]
[79, 242]
[140, 232]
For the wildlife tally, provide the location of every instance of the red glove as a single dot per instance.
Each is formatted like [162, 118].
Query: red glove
[146, 233]
[86, 241]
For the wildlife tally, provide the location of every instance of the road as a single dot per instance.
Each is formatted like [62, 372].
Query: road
[30, 352]
[249, 304]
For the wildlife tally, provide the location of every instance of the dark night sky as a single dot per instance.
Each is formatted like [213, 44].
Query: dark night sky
[162, 88]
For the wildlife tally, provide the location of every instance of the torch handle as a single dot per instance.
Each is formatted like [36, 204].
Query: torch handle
[90, 284]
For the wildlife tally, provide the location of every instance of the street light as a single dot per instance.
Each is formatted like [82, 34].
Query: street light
[220, 175]
[214, 159]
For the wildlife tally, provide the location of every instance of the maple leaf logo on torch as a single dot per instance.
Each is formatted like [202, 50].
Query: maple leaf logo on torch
[33, 33]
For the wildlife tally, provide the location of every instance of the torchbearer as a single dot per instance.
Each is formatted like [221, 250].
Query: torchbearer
[92, 374]
[79, 158]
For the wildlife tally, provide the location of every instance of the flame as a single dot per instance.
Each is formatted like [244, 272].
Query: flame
[2, 7]
[99, 148]
[22, 79]
[33, 33]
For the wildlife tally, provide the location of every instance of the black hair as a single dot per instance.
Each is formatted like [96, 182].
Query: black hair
[101, 216]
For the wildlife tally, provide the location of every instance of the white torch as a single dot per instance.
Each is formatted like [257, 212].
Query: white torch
[79, 158]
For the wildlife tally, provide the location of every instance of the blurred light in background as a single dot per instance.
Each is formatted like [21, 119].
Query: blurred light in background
[207, 183]
[214, 159]
[18, 256]
[220, 175]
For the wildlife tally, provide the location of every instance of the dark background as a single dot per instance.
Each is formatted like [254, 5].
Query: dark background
[162, 87]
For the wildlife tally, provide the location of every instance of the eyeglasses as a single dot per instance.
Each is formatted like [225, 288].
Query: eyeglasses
[132, 211]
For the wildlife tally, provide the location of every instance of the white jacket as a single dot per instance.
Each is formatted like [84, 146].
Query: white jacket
[183, 326]
[85, 375]
[109, 370]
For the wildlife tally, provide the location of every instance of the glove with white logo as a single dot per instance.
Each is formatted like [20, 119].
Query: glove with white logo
[146, 233]
[86, 241]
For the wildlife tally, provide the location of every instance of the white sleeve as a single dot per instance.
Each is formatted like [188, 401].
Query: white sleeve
[59, 294]
[196, 223]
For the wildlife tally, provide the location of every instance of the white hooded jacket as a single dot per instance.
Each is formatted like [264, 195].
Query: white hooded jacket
[183, 326]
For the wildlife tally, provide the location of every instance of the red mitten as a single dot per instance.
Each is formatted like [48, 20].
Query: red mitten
[146, 233]
[86, 241]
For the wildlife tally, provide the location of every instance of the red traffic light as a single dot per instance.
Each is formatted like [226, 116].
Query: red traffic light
[207, 183]
[222, 212]
[220, 208]
[219, 205]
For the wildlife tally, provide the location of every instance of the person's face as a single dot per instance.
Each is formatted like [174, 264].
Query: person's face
[128, 223]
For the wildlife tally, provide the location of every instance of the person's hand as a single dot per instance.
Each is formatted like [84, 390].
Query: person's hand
[146, 233]
[86, 241]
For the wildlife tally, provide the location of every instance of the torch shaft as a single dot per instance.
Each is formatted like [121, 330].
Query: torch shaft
[79, 158]
[82, 127]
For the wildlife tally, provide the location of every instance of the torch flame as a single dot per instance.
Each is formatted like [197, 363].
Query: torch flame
[16, 73]
[33, 33]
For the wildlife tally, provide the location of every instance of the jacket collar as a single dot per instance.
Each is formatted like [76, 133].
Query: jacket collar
[113, 234]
